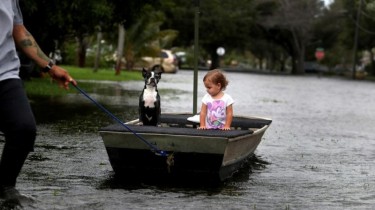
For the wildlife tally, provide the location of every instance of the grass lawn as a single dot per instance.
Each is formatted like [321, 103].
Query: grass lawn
[43, 86]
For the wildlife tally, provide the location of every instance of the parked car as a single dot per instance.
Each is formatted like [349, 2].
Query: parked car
[181, 58]
[167, 60]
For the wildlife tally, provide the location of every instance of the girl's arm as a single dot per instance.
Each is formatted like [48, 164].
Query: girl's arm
[229, 118]
[203, 115]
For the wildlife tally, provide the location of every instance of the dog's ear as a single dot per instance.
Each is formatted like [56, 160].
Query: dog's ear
[144, 73]
[158, 74]
[158, 71]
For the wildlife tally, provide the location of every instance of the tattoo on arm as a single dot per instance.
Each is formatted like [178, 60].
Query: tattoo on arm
[26, 43]
[30, 42]
[27, 40]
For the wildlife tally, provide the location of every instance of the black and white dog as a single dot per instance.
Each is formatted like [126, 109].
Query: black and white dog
[149, 100]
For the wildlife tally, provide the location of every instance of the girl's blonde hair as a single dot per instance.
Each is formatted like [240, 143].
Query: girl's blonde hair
[216, 76]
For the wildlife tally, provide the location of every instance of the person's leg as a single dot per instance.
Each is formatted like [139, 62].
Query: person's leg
[18, 125]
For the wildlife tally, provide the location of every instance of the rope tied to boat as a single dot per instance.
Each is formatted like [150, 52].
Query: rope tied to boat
[153, 148]
[170, 162]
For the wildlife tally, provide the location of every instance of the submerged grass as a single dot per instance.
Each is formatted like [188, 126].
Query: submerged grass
[44, 86]
[102, 74]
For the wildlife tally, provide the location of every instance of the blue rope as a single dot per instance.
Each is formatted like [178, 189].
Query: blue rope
[153, 148]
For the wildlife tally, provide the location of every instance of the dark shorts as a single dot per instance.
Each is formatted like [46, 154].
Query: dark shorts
[17, 121]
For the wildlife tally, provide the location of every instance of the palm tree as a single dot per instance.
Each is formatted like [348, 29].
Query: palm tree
[144, 38]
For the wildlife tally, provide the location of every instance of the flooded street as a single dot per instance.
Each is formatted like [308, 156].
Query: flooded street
[318, 153]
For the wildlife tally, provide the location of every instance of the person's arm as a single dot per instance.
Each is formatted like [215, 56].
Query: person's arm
[27, 44]
[203, 115]
[228, 120]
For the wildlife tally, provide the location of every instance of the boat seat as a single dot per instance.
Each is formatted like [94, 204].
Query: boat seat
[243, 122]
[237, 122]
[175, 120]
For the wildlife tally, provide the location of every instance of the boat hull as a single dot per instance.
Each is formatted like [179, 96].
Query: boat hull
[213, 154]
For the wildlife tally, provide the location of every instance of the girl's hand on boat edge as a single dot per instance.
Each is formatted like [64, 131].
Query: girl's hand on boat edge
[205, 128]
[202, 128]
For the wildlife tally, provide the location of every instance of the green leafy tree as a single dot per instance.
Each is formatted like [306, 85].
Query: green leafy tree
[330, 32]
[144, 37]
[366, 33]
[54, 21]
[290, 25]
[346, 24]
[369, 31]
[222, 24]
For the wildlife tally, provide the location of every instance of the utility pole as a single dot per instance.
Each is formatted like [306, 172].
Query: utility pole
[196, 49]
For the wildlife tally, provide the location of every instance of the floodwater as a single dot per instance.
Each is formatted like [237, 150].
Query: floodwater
[318, 153]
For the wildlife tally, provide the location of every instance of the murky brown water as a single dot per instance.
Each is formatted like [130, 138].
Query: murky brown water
[318, 153]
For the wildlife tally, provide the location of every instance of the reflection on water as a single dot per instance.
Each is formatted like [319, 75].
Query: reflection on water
[317, 154]
[79, 115]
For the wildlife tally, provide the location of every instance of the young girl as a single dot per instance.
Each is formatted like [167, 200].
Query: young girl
[217, 109]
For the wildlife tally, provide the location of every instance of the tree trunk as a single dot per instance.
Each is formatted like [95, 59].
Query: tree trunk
[215, 60]
[120, 48]
[298, 58]
[97, 57]
[129, 64]
[82, 45]
[372, 64]
[300, 64]
[301, 60]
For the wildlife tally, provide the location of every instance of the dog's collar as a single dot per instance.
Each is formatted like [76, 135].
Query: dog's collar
[151, 87]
